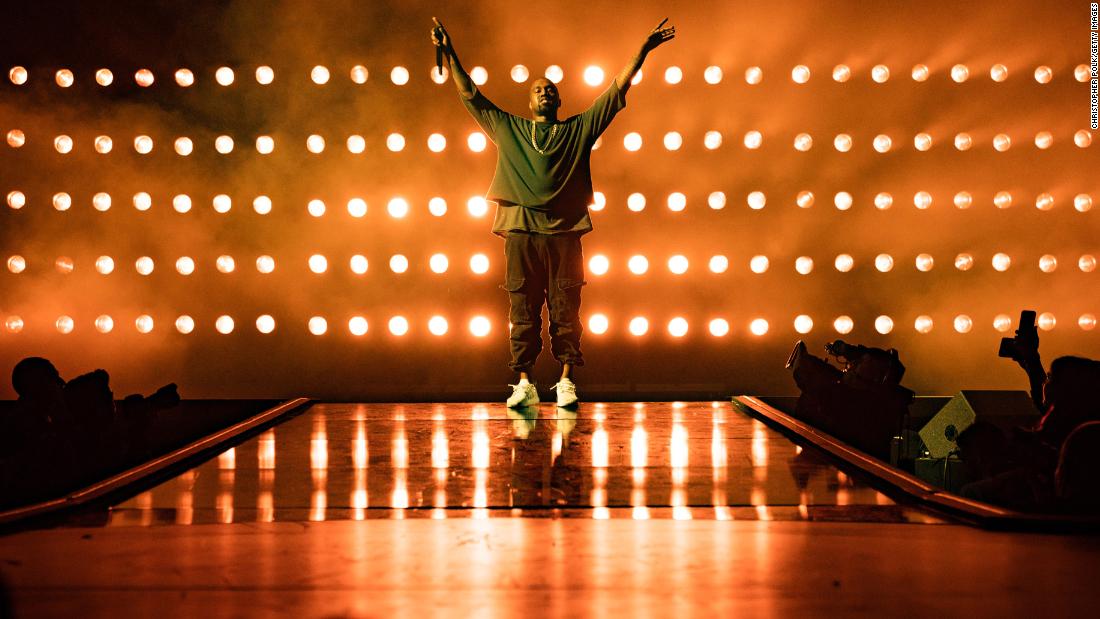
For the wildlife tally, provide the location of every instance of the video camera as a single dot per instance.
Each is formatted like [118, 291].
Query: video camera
[870, 366]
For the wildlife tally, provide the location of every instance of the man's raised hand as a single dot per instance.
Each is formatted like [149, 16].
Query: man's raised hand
[659, 35]
[440, 38]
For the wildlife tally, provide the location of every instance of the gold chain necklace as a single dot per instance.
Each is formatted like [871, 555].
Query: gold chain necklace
[553, 132]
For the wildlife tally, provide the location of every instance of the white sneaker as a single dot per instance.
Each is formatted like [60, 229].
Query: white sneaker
[523, 394]
[567, 392]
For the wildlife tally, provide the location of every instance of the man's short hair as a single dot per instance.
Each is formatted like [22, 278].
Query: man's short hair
[31, 374]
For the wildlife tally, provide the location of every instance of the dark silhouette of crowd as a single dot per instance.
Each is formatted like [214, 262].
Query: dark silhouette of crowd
[1051, 466]
[61, 435]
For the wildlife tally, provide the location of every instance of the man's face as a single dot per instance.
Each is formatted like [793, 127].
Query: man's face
[544, 97]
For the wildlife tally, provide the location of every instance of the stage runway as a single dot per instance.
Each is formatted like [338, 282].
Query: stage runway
[679, 460]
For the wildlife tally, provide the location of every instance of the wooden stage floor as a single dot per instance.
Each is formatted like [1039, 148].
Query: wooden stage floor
[619, 509]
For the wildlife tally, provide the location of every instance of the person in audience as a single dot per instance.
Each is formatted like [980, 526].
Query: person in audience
[1018, 470]
[1077, 478]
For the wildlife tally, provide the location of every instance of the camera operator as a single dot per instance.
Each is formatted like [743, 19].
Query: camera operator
[1024, 462]
[1066, 396]
[863, 404]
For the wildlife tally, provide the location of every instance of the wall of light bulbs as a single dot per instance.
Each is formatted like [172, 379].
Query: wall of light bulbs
[310, 218]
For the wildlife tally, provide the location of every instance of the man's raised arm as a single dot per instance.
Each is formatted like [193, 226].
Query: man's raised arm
[655, 38]
[462, 79]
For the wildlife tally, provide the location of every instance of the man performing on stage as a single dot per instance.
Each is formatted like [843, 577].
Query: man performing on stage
[542, 189]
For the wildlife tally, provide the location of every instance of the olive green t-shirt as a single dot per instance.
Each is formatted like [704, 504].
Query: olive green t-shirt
[547, 192]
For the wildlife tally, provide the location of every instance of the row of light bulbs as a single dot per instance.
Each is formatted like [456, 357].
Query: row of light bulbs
[593, 75]
[478, 206]
[598, 265]
[598, 324]
[477, 142]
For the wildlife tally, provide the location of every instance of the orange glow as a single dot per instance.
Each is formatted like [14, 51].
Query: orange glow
[144, 78]
[16, 138]
[185, 324]
[437, 325]
[16, 199]
[593, 75]
[224, 76]
[758, 264]
[63, 144]
[963, 323]
[64, 324]
[184, 146]
[476, 141]
[923, 324]
[184, 77]
[265, 144]
[678, 327]
[399, 325]
[225, 264]
[398, 208]
[599, 264]
[357, 326]
[265, 324]
[64, 265]
[480, 326]
[719, 327]
[884, 324]
[144, 323]
[357, 207]
[843, 325]
[803, 324]
[223, 144]
[639, 326]
[264, 75]
[758, 326]
[18, 75]
[64, 78]
[143, 144]
[479, 264]
[598, 324]
[632, 141]
[224, 324]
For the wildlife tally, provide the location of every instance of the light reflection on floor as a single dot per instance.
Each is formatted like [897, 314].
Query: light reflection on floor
[678, 460]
